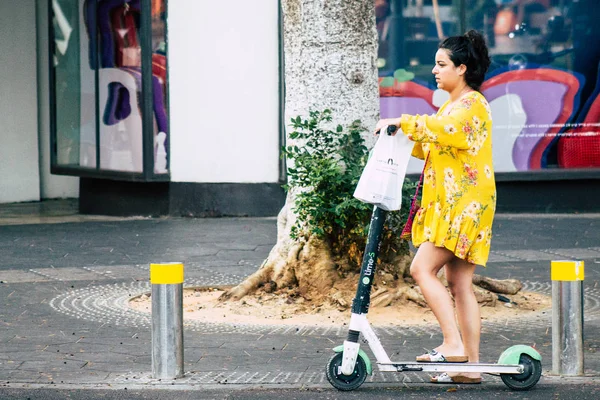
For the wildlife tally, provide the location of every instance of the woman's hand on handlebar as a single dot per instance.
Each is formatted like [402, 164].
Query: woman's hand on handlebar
[382, 123]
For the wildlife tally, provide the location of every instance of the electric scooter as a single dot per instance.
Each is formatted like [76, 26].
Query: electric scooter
[519, 366]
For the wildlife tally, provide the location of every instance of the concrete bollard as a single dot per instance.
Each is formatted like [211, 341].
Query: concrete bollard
[567, 317]
[167, 320]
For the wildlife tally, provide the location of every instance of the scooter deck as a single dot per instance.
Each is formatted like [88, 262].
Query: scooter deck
[451, 367]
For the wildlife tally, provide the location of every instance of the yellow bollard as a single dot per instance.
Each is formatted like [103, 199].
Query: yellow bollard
[167, 320]
[567, 317]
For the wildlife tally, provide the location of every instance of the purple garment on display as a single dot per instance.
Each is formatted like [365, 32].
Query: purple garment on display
[118, 105]
[158, 103]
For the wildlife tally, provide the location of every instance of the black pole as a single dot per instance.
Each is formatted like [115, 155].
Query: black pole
[462, 23]
[147, 89]
[96, 60]
[397, 56]
[282, 130]
[52, 89]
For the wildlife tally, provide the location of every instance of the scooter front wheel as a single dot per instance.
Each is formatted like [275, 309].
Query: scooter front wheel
[528, 378]
[345, 382]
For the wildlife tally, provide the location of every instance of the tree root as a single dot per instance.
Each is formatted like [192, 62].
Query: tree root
[386, 296]
[504, 286]
[309, 269]
[484, 297]
[306, 265]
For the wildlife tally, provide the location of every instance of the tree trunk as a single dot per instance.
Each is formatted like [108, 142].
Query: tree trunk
[330, 63]
[330, 49]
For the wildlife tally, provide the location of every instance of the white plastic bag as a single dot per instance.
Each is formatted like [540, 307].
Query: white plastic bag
[382, 179]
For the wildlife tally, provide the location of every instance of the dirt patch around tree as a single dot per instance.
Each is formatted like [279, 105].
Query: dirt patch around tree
[202, 304]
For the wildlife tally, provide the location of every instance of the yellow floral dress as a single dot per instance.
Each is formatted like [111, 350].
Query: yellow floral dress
[459, 190]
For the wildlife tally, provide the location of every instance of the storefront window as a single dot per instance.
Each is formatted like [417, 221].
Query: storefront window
[108, 115]
[542, 86]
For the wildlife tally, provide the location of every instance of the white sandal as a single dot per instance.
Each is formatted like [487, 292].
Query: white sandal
[436, 357]
[445, 378]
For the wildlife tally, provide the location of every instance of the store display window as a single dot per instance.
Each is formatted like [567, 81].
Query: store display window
[543, 85]
[109, 100]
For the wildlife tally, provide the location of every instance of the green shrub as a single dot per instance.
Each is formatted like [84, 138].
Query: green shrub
[324, 169]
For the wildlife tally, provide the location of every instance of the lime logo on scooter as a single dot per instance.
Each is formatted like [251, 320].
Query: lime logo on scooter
[369, 269]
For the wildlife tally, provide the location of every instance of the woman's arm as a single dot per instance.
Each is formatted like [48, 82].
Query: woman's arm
[459, 129]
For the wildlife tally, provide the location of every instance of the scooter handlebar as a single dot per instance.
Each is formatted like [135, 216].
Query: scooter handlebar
[390, 129]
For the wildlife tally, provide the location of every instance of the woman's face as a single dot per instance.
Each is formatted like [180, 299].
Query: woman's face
[447, 75]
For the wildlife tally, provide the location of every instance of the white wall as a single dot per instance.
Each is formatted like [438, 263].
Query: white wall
[223, 71]
[19, 174]
[51, 186]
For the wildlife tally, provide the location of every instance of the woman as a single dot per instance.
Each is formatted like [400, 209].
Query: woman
[452, 229]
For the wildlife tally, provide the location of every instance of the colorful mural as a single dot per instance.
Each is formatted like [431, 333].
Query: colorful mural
[543, 84]
[532, 109]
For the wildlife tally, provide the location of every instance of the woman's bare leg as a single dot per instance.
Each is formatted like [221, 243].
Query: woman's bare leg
[427, 263]
[459, 274]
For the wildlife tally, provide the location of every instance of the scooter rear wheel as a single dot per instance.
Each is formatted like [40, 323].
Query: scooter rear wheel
[528, 378]
[345, 382]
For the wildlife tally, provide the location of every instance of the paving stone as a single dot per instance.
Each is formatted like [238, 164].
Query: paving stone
[79, 306]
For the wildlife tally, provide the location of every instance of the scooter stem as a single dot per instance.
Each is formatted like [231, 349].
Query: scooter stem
[360, 304]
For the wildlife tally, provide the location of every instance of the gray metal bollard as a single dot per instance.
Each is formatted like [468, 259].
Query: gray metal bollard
[167, 320]
[567, 317]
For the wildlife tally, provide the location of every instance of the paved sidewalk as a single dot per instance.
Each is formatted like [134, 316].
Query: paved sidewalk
[66, 280]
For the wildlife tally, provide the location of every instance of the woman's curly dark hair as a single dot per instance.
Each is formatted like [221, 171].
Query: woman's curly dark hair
[469, 49]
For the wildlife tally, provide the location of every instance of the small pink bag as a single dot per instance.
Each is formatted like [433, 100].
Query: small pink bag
[406, 233]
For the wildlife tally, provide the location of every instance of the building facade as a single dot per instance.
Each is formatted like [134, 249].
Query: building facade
[174, 107]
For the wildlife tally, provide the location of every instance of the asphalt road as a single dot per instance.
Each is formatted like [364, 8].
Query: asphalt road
[543, 391]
